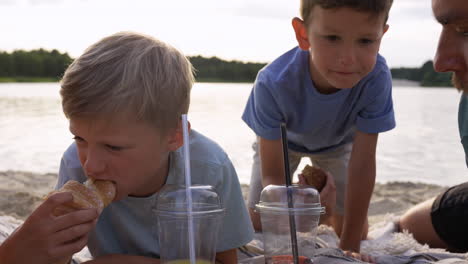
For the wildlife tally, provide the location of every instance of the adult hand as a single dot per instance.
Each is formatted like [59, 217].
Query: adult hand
[44, 238]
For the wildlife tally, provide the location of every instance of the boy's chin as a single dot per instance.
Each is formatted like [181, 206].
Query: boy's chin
[344, 85]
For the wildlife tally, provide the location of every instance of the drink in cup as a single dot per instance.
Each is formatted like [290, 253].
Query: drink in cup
[275, 215]
[174, 220]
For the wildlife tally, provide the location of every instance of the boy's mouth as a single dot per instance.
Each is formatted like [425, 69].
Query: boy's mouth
[344, 72]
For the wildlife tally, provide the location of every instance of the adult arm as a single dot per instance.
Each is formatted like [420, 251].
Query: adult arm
[361, 180]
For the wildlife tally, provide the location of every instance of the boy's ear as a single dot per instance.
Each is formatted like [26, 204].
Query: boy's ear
[176, 140]
[385, 29]
[301, 33]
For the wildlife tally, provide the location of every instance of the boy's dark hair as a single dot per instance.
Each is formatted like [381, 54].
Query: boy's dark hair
[376, 7]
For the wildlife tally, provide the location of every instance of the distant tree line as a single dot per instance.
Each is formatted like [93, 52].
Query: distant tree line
[35, 63]
[425, 75]
[215, 69]
[39, 64]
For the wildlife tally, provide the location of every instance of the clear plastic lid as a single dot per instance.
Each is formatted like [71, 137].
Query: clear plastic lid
[172, 200]
[306, 200]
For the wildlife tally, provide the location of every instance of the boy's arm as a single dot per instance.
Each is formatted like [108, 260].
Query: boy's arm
[361, 179]
[225, 257]
[271, 157]
[122, 259]
[44, 238]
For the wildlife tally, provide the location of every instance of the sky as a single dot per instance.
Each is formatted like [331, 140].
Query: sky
[245, 30]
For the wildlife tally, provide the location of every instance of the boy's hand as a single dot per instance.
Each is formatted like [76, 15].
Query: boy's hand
[360, 256]
[122, 259]
[44, 238]
[327, 195]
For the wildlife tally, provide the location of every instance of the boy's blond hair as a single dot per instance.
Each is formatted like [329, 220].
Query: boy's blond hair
[376, 7]
[129, 73]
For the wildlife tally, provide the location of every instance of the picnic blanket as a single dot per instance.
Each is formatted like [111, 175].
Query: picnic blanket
[386, 245]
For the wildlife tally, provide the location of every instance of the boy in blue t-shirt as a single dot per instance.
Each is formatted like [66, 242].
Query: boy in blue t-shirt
[334, 92]
[124, 97]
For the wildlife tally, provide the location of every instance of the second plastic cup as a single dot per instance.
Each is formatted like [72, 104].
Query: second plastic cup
[173, 223]
[275, 217]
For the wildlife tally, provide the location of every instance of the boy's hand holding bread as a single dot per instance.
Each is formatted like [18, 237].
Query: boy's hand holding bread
[60, 226]
[325, 184]
[92, 194]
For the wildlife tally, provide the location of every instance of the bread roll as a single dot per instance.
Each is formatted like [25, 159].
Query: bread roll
[315, 177]
[92, 194]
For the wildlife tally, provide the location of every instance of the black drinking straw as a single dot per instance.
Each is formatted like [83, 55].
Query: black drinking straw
[292, 222]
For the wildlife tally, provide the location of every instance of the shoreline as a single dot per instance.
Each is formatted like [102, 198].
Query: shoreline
[21, 192]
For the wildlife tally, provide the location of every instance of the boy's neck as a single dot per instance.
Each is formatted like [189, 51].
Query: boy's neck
[159, 180]
[325, 90]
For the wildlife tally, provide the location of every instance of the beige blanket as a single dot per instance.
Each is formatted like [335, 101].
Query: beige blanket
[384, 243]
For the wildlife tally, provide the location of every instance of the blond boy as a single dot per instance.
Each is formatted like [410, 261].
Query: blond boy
[124, 98]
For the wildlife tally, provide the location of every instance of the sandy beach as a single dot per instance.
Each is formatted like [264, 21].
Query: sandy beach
[21, 192]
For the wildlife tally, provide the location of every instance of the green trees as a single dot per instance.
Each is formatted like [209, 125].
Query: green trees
[24, 65]
[37, 65]
[426, 75]
[40, 65]
[215, 69]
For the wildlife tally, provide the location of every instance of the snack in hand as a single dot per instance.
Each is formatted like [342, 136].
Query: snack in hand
[314, 177]
[92, 194]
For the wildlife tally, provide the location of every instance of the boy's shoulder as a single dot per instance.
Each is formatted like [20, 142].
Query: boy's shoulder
[289, 66]
[209, 163]
[381, 65]
[381, 72]
[377, 82]
[70, 157]
[204, 149]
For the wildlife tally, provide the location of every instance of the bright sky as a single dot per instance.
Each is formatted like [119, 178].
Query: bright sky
[246, 30]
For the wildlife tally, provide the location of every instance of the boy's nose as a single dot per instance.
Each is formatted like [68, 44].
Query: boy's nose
[448, 56]
[347, 56]
[93, 165]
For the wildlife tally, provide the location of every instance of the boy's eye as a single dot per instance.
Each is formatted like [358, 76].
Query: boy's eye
[78, 139]
[366, 41]
[114, 148]
[332, 38]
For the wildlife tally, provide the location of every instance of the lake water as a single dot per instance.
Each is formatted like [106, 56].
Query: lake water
[424, 147]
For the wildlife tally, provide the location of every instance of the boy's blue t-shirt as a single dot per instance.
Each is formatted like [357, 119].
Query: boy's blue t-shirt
[130, 226]
[463, 123]
[284, 92]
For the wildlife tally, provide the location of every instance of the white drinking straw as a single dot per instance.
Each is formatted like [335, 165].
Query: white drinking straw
[188, 192]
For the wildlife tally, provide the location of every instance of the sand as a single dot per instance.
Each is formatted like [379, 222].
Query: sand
[22, 192]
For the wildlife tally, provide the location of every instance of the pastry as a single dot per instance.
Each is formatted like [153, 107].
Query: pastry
[92, 194]
[314, 177]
